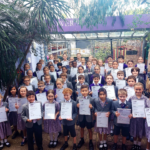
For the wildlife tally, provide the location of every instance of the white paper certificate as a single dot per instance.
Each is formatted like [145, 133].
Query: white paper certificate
[41, 97]
[147, 112]
[141, 66]
[49, 111]
[79, 90]
[66, 110]
[3, 115]
[130, 91]
[20, 102]
[84, 107]
[114, 73]
[39, 74]
[128, 72]
[110, 92]
[54, 74]
[120, 67]
[11, 103]
[35, 111]
[49, 87]
[123, 117]
[60, 95]
[120, 83]
[106, 66]
[29, 87]
[102, 71]
[95, 90]
[138, 108]
[34, 81]
[102, 120]
[73, 71]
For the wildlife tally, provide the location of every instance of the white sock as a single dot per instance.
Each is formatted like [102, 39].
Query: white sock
[135, 142]
[55, 136]
[105, 145]
[100, 146]
[147, 149]
[2, 141]
[139, 143]
[51, 136]
[5, 140]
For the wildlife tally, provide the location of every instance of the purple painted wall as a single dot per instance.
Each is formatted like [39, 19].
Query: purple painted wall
[71, 27]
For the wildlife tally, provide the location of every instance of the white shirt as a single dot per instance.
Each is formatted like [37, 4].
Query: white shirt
[120, 102]
[68, 101]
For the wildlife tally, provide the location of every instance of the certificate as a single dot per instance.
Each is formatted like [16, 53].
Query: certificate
[73, 71]
[65, 63]
[41, 97]
[120, 84]
[147, 112]
[25, 72]
[11, 103]
[79, 90]
[54, 74]
[102, 120]
[84, 107]
[3, 115]
[49, 87]
[43, 79]
[29, 87]
[106, 66]
[138, 108]
[141, 66]
[114, 73]
[110, 91]
[128, 72]
[102, 71]
[59, 72]
[66, 110]
[120, 67]
[130, 91]
[95, 90]
[123, 117]
[60, 95]
[34, 81]
[78, 75]
[35, 111]
[39, 74]
[49, 111]
[20, 102]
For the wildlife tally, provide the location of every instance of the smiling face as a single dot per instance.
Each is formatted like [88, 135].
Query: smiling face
[120, 76]
[83, 61]
[39, 66]
[140, 60]
[47, 79]
[89, 65]
[84, 91]
[13, 91]
[135, 73]
[82, 80]
[26, 67]
[52, 69]
[26, 81]
[122, 97]
[31, 98]
[120, 60]
[23, 92]
[96, 80]
[97, 70]
[109, 80]
[46, 71]
[64, 70]
[74, 64]
[138, 90]
[50, 97]
[100, 63]
[130, 64]
[80, 70]
[41, 87]
[65, 57]
[30, 74]
[115, 65]
[59, 85]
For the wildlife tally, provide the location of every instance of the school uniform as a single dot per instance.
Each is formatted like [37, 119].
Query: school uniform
[86, 120]
[125, 66]
[89, 72]
[137, 125]
[38, 91]
[142, 74]
[78, 63]
[93, 84]
[102, 80]
[69, 78]
[99, 106]
[68, 84]
[118, 127]
[52, 78]
[93, 66]
[33, 87]
[61, 97]
[69, 126]
[55, 66]
[49, 84]
[141, 80]
[34, 73]
[57, 75]
[84, 66]
[33, 127]
[116, 90]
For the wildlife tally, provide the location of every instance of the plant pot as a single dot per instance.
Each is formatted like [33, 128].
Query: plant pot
[131, 52]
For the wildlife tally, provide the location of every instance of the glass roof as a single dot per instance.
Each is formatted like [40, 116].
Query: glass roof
[96, 36]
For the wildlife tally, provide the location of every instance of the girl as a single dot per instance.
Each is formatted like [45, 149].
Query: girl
[52, 126]
[100, 62]
[12, 99]
[5, 129]
[26, 67]
[58, 91]
[97, 71]
[102, 68]
[102, 104]
[65, 70]
[137, 125]
[49, 63]
[83, 63]
[20, 123]
[53, 72]
[94, 62]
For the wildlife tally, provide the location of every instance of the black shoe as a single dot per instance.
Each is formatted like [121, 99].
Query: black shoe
[7, 144]
[55, 144]
[101, 147]
[114, 147]
[124, 147]
[16, 133]
[138, 147]
[59, 134]
[23, 142]
[50, 145]
[74, 147]
[21, 134]
[80, 144]
[1, 146]
[134, 147]
[131, 139]
[91, 146]
[40, 148]
[105, 147]
[64, 146]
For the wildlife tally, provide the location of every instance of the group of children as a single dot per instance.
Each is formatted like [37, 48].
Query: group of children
[107, 87]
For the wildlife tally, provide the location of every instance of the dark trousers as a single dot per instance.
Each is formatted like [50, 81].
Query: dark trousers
[37, 130]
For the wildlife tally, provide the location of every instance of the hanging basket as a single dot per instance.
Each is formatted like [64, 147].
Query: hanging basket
[131, 52]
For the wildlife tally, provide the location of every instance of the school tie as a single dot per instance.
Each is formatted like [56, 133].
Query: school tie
[122, 105]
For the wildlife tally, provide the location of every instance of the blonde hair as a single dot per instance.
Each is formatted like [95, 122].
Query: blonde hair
[139, 84]
[22, 87]
[122, 92]
[40, 82]
[97, 66]
[60, 80]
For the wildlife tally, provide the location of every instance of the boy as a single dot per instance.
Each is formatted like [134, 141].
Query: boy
[48, 84]
[109, 58]
[59, 71]
[94, 63]
[69, 124]
[41, 87]
[65, 62]
[122, 103]
[120, 82]
[53, 72]
[89, 70]
[32, 126]
[78, 59]
[65, 70]
[86, 120]
[55, 64]
[38, 68]
[135, 72]
[67, 84]
[122, 65]
[73, 70]
[120, 75]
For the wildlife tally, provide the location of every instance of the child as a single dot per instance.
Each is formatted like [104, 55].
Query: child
[20, 123]
[102, 104]
[69, 124]
[109, 67]
[65, 62]
[11, 100]
[5, 129]
[137, 125]
[94, 62]
[53, 72]
[78, 59]
[55, 64]
[86, 120]
[109, 58]
[26, 67]
[135, 72]
[32, 126]
[48, 84]
[41, 87]
[59, 71]
[143, 74]
[122, 65]
[100, 62]
[51, 58]
[71, 59]
[83, 63]
[52, 126]
[66, 84]
[122, 103]
[65, 70]
[73, 70]
[130, 64]
[89, 70]
[49, 63]
[97, 71]
[30, 73]
[131, 80]
[120, 75]
[90, 58]
[59, 90]
[42, 62]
